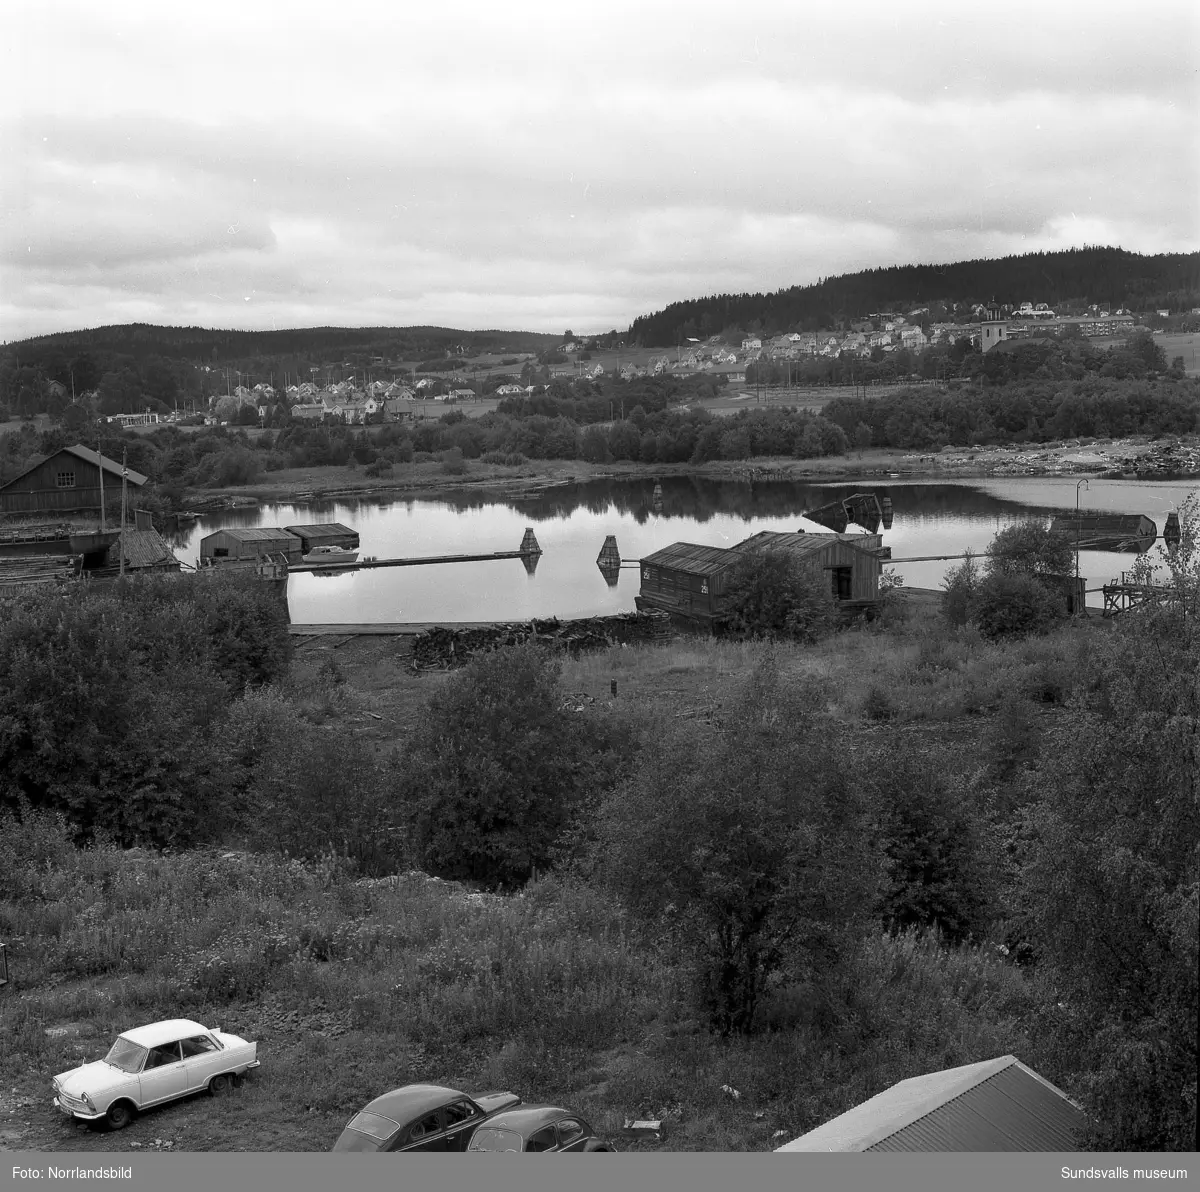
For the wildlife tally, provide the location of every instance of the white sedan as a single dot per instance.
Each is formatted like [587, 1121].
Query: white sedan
[150, 1065]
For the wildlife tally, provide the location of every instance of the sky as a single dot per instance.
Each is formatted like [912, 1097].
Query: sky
[537, 166]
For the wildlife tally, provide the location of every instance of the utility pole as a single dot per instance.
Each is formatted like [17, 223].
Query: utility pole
[124, 477]
[100, 453]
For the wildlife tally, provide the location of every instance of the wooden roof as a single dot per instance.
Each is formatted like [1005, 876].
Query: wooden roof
[88, 456]
[143, 548]
[800, 543]
[252, 534]
[691, 559]
[322, 530]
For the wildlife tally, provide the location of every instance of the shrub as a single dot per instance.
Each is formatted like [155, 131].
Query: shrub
[772, 595]
[1029, 548]
[958, 590]
[453, 463]
[1015, 606]
[496, 769]
[745, 845]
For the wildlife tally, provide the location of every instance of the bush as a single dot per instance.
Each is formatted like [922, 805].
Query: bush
[453, 463]
[496, 769]
[959, 588]
[1029, 548]
[772, 595]
[745, 846]
[1015, 606]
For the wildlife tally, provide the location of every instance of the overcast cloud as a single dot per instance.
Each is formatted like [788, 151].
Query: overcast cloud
[540, 166]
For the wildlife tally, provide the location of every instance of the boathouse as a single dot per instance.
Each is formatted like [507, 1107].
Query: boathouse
[996, 1105]
[849, 560]
[325, 534]
[237, 544]
[692, 581]
[67, 482]
[686, 580]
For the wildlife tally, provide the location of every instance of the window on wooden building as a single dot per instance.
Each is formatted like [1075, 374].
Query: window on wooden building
[843, 582]
[65, 479]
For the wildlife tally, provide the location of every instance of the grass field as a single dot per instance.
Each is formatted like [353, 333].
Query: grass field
[1186, 345]
[353, 987]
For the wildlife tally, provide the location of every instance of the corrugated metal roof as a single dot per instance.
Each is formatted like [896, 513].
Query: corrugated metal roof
[997, 1105]
[692, 559]
[1015, 1110]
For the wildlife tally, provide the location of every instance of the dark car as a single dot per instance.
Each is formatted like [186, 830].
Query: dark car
[537, 1128]
[421, 1117]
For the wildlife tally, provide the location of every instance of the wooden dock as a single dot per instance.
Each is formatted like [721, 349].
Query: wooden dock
[367, 564]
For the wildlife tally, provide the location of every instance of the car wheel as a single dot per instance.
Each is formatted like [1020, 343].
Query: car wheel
[219, 1085]
[119, 1115]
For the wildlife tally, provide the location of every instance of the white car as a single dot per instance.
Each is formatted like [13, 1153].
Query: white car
[150, 1065]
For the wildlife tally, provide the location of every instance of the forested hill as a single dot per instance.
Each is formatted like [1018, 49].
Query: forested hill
[205, 345]
[1076, 277]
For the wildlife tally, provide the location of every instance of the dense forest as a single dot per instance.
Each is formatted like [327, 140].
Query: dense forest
[1074, 278]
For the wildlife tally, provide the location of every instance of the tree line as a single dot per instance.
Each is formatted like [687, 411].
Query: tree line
[1112, 276]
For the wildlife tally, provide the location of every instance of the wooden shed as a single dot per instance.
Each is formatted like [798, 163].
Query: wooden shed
[686, 580]
[850, 561]
[241, 545]
[67, 482]
[325, 534]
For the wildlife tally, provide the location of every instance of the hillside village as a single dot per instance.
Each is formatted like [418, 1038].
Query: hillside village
[719, 356]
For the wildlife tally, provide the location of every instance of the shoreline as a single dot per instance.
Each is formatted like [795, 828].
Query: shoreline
[1134, 458]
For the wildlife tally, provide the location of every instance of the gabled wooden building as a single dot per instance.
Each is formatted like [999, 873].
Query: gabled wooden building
[238, 544]
[686, 580]
[692, 582]
[849, 560]
[67, 482]
[325, 534]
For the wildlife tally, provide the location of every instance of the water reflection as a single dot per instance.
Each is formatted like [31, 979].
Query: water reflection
[573, 521]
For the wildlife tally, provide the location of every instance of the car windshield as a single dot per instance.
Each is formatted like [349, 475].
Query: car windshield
[126, 1055]
[492, 1138]
[373, 1125]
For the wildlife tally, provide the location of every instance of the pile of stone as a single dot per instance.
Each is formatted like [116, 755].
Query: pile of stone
[441, 648]
[1170, 460]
